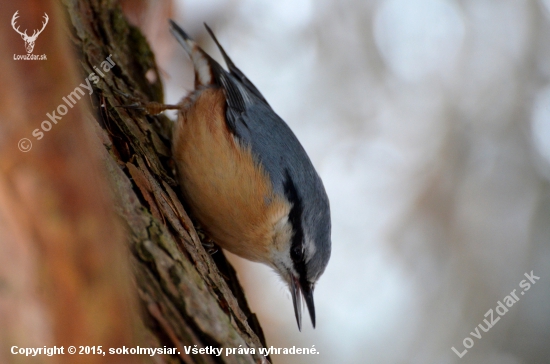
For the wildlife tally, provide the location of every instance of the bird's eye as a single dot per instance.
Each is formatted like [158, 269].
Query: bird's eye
[297, 253]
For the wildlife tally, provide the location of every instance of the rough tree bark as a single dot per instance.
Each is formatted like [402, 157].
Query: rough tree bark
[63, 266]
[189, 297]
[186, 296]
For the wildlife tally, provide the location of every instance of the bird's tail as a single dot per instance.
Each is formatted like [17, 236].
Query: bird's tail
[202, 62]
[234, 70]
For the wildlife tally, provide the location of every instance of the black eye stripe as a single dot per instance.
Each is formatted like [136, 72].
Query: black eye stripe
[295, 218]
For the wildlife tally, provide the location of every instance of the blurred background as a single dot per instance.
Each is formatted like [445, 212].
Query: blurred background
[429, 123]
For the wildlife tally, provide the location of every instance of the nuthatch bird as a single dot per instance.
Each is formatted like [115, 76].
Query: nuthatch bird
[247, 179]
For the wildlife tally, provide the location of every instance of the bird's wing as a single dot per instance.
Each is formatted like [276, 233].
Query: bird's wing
[248, 116]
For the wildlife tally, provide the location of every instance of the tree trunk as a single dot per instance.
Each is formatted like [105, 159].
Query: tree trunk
[186, 296]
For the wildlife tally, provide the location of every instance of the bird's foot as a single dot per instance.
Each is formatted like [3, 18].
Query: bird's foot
[208, 244]
[147, 107]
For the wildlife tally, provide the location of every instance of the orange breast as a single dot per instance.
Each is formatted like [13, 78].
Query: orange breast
[227, 191]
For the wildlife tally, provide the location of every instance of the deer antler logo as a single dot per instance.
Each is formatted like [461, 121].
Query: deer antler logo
[29, 41]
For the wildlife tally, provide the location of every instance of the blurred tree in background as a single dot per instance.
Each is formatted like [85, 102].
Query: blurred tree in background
[95, 196]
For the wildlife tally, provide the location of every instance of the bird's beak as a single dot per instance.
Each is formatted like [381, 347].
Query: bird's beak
[307, 292]
[298, 290]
